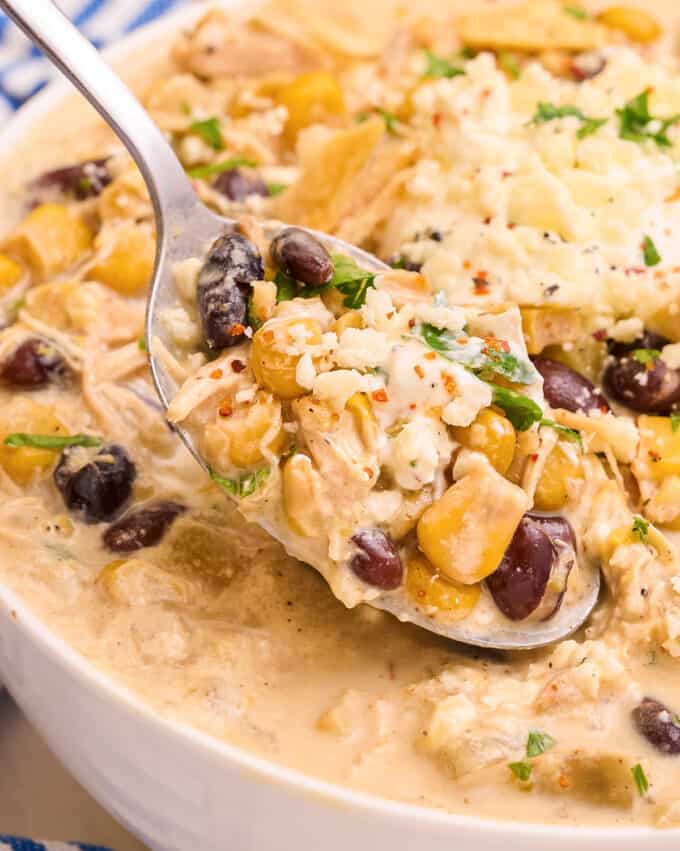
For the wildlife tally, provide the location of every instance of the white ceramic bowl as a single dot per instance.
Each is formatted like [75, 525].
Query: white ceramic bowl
[176, 788]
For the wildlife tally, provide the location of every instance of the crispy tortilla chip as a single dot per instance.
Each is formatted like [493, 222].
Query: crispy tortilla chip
[532, 26]
[222, 46]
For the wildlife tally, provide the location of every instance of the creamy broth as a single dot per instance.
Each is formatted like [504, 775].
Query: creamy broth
[217, 627]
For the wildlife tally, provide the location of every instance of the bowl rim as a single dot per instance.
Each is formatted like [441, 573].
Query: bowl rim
[90, 677]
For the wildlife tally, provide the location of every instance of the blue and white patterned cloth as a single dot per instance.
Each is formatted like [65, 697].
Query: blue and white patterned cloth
[24, 71]
[16, 843]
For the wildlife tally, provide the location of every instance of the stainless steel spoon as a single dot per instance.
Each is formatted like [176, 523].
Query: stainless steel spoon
[185, 228]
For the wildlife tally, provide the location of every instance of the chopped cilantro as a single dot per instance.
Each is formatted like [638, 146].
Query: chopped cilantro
[521, 770]
[538, 743]
[590, 126]
[651, 255]
[51, 441]
[275, 188]
[351, 280]
[217, 168]
[641, 528]
[522, 411]
[640, 779]
[546, 111]
[390, 120]
[254, 320]
[675, 422]
[577, 12]
[141, 343]
[209, 131]
[245, 485]
[508, 62]
[286, 287]
[480, 360]
[565, 431]
[437, 66]
[635, 119]
[646, 356]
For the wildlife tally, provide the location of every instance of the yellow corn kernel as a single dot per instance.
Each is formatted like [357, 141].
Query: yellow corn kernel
[544, 326]
[11, 272]
[128, 266]
[666, 321]
[273, 366]
[659, 450]
[50, 239]
[364, 419]
[136, 582]
[493, 435]
[585, 355]
[351, 319]
[664, 506]
[429, 590]
[562, 471]
[300, 485]
[240, 431]
[311, 98]
[21, 414]
[465, 533]
[636, 23]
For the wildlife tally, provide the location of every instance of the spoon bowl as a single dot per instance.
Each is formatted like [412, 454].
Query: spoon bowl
[186, 228]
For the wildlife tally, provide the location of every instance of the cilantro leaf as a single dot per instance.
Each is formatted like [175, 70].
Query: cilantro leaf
[437, 66]
[522, 411]
[521, 770]
[641, 529]
[390, 120]
[351, 280]
[245, 485]
[646, 356]
[635, 118]
[275, 188]
[546, 111]
[577, 12]
[204, 171]
[538, 743]
[482, 358]
[640, 778]
[675, 422]
[565, 431]
[209, 131]
[286, 287]
[508, 62]
[590, 126]
[141, 344]
[51, 441]
[651, 255]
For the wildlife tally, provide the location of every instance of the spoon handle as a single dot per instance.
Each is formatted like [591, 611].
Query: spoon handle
[80, 62]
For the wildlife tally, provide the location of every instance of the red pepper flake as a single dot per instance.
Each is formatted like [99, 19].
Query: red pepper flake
[564, 781]
[412, 406]
[268, 336]
[412, 323]
[237, 330]
[533, 457]
[482, 274]
[600, 335]
[497, 345]
[486, 93]
[225, 410]
[216, 374]
[635, 270]
[505, 174]
[487, 220]
[449, 383]
[466, 264]
[481, 286]
[379, 395]
[654, 455]
[437, 119]
[238, 365]
[511, 226]
[369, 472]
[390, 315]
[419, 371]
[430, 355]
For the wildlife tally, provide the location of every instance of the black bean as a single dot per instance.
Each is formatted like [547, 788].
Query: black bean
[83, 180]
[301, 256]
[237, 185]
[563, 387]
[658, 725]
[376, 561]
[142, 527]
[33, 364]
[649, 387]
[232, 264]
[97, 485]
[648, 340]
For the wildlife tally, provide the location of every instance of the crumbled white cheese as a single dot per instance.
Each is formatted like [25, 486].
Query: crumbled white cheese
[670, 355]
[185, 277]
[474, 395]
[626, 330]
[362, 347]
[181, 327]
[305, 372]
[450, 318]
[414, 454]
[337, 386]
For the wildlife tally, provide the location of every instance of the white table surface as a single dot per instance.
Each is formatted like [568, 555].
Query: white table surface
[39, 798]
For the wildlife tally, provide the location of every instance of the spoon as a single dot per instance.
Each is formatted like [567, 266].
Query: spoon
[185, 229]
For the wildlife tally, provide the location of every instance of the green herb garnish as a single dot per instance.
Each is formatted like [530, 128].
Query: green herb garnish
[390, 120]
[275, 189]
[286, 287]
[641, 529]
[651, 255]
[565, 431]
[245, 485]
[351, 280]
[141, 344]
[209, 131]
[484, 360]
[640, 779]
[538, 743]
[590, 126]
[437, 66]
[522, 411]
[521, 770]
[646, 356]
[546, 111]
[635, 118]
[675, 422]
[51, 441]
[217, 168]
[508, 62]
[577, 12]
